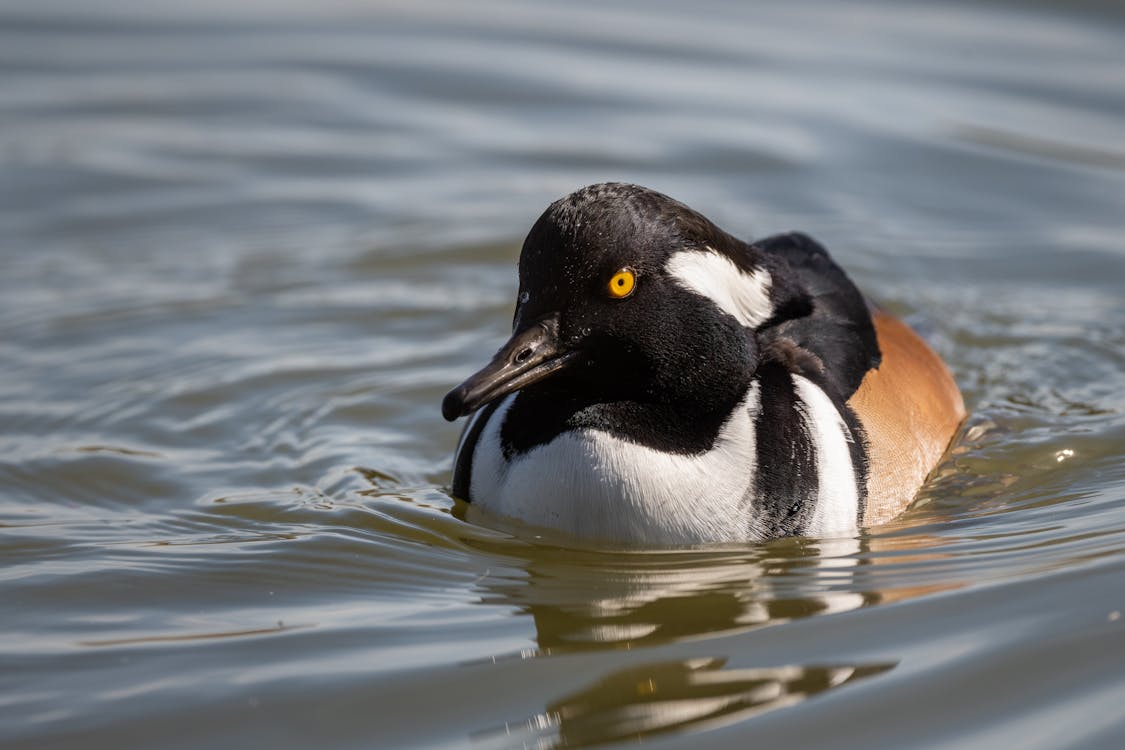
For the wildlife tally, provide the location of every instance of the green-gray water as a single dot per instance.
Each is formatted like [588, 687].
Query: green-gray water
[247, 247]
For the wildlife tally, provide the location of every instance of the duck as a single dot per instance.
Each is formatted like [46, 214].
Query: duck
[668, 384]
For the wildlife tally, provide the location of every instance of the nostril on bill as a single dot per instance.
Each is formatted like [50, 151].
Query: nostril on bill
[523, 355]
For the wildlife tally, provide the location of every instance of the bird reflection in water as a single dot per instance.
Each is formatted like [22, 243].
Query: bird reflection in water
[588, 599]
[585, 601]
[668, 696]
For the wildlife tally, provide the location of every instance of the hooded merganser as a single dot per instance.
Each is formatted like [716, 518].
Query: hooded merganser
[667, 383]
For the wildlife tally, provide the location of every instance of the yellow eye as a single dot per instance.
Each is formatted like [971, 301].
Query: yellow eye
[622, 283]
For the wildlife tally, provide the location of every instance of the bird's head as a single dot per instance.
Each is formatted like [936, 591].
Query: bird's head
[626, 294]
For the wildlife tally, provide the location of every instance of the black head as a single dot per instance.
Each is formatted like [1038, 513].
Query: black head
[628, 295]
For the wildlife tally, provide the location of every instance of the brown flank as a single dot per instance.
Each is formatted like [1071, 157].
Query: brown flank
[910, 408]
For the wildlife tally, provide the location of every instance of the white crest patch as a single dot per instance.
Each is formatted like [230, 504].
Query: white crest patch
[709, 273]
[837, 498]
[597, 486]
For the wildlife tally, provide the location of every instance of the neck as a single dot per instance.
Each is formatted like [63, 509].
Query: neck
[682, 416]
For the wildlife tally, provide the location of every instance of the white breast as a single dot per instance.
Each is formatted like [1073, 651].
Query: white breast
[597, 486]
[837, 503]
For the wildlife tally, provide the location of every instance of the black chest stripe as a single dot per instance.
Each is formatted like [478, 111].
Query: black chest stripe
[858, 448]
[838, 330]
[463, 463]
[787, 483]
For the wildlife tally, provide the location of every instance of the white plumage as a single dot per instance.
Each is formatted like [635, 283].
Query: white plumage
[597, 486]
[837, 503]
[744, 296]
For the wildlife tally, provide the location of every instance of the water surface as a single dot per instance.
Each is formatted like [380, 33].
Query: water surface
[246, 249]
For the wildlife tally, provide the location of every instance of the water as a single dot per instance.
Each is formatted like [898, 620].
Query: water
[248, 247]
